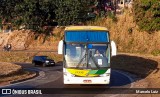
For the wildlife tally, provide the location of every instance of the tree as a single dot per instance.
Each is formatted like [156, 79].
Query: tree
[71, 11]
[147, 14]
[7, 10]
[35, 14]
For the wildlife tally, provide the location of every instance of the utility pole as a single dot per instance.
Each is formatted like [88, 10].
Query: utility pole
[123, 3]
[115, 6]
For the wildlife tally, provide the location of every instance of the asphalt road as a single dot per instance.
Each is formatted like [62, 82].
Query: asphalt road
[52, 77]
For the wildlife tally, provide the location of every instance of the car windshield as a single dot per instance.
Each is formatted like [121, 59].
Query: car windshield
[44, 57]
[87, 55]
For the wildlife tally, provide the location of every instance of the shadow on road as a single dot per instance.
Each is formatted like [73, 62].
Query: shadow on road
[139, 66]
[142, 67]
[136, 65]
[59, 63]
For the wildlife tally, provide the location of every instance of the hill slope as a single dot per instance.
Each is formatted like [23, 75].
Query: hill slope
[26, 39]
[127, 35]
[124, 32]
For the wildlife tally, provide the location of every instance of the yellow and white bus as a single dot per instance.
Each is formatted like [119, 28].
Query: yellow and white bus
[87, 52]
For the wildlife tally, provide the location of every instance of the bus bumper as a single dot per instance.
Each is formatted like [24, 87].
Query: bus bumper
[86, 80]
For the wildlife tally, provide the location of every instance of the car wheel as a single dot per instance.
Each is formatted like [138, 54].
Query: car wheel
[44, 65]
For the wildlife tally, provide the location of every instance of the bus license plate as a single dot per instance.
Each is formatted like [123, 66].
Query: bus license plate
[87, 81]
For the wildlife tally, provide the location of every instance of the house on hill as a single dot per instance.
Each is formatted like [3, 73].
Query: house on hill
[5, 27]
[115, 6]
[124, 3]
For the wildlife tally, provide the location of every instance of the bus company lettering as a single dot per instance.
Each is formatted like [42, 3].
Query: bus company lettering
[79, 72]
[26, 91]
[34, 92]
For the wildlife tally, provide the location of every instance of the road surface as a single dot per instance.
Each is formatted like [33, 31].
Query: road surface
[52, 77]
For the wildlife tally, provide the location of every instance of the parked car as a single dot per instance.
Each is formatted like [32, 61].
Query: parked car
[42, 60]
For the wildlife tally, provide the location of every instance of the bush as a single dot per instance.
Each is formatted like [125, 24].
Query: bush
[36, 14]
[147, 14]
[130, 30]
[155, 52]
[112, 16]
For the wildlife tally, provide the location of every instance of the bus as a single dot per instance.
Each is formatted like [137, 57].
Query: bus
[87, 52]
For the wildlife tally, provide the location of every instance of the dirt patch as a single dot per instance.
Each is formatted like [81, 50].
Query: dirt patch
[27, 39]
[23, 75]
[10, 72]
[9, 69]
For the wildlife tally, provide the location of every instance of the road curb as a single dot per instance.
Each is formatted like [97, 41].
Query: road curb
[39, 74]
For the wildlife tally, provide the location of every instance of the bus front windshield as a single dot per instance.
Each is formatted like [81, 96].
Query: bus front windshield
[87, 56]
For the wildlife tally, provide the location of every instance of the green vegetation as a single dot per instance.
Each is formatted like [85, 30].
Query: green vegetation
[71, 11]
[155, 52]
[147, 14]
[41, 15]
[36, 14]
[112, 16]
[130, 30]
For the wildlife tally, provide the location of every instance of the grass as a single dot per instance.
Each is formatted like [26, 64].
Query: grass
[9, 69]
[155, 52]
[127, 35]
[26, 56]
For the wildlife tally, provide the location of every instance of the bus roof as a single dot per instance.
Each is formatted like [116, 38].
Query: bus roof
[86, 28]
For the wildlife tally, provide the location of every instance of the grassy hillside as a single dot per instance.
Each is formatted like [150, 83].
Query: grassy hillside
[127, 35]
[29, 40]
[124, 32]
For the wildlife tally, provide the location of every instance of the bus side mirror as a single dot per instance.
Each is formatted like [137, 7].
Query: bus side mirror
[113, 49]
[60, 47]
